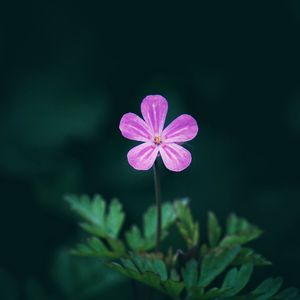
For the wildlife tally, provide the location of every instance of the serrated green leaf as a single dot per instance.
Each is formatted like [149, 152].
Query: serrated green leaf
[168, 215]
[232, 224]
[150, 271]
[134, 239]
[94, 247]
[214, 230]
[173, 288]
[139, 262]
[190, 274]
[114, 219]
[239, 231]
[146, 240]
[160, 268]
[150, 221]
[230, 278]
[128, 264]
[98, 223]
[186, 225]
[124, 271]
[248, 255]
[156, 266]
[92, 229]
[215, 263]
[117, 246]
[267, 288]
[93, 212]
[152, 279]
[236, 280]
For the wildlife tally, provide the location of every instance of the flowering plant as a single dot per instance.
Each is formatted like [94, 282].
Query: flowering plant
[156, 140]
[217, 267]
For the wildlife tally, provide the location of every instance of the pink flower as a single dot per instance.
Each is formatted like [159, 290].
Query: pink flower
[157, 140]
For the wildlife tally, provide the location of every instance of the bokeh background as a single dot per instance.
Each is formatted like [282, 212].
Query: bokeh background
[70, 69]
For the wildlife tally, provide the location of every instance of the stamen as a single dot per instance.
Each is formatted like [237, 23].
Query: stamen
[157, 140]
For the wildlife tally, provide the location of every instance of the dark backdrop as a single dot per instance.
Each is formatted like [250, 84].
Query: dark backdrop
[70, 69]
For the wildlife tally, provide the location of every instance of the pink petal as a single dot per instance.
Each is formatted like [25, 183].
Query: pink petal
[154, 110]
[175, 157]
[182, 129]
[142, 157]
[134, 128]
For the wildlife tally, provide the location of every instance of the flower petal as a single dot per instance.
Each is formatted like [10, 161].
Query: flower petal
[182, 129]
[154, 110]
[175, 157]
[135, 128]
[142, 157]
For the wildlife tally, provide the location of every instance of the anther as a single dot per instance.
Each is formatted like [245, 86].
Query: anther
[157, 140]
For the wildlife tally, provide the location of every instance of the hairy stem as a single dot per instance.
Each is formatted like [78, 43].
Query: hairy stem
[158, 203]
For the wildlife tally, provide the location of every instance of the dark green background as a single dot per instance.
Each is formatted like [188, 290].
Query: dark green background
[70, 69]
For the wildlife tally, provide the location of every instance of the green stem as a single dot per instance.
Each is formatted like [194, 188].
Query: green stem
[158, 203]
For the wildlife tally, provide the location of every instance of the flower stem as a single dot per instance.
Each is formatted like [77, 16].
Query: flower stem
[158, 203]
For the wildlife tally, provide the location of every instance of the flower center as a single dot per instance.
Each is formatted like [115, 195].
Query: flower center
[157, 140]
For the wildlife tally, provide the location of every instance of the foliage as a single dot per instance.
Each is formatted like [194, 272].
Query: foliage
[218, 269]
[103, 224]
[186, 225]
[151, 271]
[139, 241]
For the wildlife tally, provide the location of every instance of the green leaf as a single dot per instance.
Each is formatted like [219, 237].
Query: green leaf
[150, 271]
[248, 255]
[267, 288]
[139, 241]
[128, 264]
[239, 231]
[155, 265]
[186, 225]
[214, 230]
[93, 212]
[114, 219]
[96, 248]
[173, 288]
[215, 263]
[117, 246]
[149, 268]
[134, 239]
[168, 215]
[236, 280]
[190, 274]
[160, 268]
[150, 221]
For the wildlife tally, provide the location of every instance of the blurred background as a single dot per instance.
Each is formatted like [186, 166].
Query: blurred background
[69, 71]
